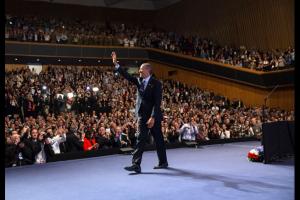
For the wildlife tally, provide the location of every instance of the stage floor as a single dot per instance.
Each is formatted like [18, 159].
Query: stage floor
[212, 172]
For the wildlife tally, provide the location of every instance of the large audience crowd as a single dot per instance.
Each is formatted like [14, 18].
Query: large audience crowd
[76, 31]
[66, 108]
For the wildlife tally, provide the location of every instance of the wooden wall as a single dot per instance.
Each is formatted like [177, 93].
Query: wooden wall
[13, 67]
[282, 97]
[264, 24]
[68, 11]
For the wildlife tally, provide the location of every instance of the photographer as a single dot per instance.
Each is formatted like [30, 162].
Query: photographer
[30, 106]
[59, 103]
[46, 149]
[189, 130]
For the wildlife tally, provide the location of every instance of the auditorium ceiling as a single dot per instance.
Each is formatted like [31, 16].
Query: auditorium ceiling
[126, 4]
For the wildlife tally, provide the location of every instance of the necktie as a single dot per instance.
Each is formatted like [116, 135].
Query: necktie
[142, 86]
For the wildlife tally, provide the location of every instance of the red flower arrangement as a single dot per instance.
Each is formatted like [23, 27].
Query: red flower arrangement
[256, 155]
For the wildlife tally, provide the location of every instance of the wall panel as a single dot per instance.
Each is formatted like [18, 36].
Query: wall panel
[282, 97]
[68, 11]
[255, 23]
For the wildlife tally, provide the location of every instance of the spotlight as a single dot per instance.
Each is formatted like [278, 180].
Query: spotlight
[70, 95]
[16, 59]
[79, 60]
[38, 59]
[98, 61]
[10, 23]
[59, 60]
[95, 89]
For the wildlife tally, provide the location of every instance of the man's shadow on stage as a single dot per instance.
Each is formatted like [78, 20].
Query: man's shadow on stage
[231, 182]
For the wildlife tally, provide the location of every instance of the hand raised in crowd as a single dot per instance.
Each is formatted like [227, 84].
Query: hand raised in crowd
[96, 146]
[24, 130]
[61, 130]
[114, 58]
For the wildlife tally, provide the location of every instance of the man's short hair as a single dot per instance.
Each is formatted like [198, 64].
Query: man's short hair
[149, 66]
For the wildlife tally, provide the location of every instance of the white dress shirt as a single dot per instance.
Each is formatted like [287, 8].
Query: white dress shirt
[55, 141]
[41, 156]
[145, 81]
[188, 132]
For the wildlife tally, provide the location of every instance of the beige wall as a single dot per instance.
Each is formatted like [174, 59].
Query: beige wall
[13, 67]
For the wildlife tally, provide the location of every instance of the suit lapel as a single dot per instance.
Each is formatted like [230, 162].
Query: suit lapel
[149, 84]
[140, 85]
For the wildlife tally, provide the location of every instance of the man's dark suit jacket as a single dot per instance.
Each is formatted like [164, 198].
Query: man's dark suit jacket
[73, 143]
[148, 102]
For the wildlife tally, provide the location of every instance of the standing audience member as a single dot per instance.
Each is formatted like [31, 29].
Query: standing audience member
[89, 142]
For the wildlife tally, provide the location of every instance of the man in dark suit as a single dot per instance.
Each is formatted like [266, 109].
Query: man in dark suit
[73, 143]
[148, 114]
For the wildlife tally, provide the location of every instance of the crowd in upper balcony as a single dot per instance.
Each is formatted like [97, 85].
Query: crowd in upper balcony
[76, 31]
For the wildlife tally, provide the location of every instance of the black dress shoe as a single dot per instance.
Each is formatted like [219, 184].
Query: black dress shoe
[161, 166]
[135, 168]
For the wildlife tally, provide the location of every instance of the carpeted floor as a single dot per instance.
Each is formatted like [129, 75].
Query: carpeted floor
[212, 172]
